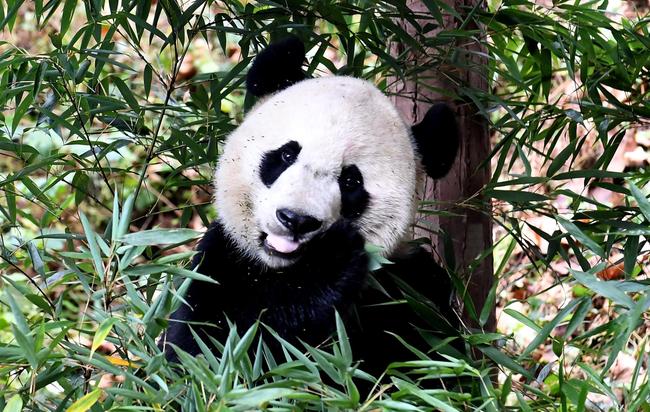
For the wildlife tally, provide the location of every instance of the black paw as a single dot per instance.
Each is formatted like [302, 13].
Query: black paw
[339, 248]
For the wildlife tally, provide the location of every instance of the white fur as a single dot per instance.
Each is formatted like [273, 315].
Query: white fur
[338, 121]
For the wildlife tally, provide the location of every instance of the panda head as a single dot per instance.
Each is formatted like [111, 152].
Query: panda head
[315, 151]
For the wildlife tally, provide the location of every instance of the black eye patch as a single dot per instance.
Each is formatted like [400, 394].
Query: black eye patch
[277, 161]
[354, 198]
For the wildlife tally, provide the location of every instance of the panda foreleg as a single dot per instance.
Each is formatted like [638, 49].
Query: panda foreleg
[297, 301]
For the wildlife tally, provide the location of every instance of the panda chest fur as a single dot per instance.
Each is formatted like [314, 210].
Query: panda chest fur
[298, 300]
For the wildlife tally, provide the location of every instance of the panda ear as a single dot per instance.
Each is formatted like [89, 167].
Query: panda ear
[436, 137]
[277, 67]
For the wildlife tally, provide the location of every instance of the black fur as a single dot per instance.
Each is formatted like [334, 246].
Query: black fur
[416, 309]
[277, 161]
[277, 67]
[299, 302]
[354, 197]
[436, 137]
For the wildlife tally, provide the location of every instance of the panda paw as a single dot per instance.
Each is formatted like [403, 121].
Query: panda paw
[340, 248]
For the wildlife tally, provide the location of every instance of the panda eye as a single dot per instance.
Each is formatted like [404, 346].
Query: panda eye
[350, 178]
[350, 182]
[288, 155]
[276, 161]
[354, 197]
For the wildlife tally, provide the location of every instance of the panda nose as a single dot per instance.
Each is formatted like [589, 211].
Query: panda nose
[298, 224]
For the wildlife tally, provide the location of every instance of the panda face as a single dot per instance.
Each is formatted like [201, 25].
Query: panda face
[321, 150]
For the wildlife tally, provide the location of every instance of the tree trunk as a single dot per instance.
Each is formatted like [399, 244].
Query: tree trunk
[470, 230]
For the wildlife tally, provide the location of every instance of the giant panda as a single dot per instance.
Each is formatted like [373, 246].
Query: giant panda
[319, 169]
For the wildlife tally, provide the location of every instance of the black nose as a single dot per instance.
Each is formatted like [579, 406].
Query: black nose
[296, 223]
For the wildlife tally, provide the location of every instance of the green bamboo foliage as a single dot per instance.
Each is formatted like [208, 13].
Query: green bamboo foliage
[112, 117]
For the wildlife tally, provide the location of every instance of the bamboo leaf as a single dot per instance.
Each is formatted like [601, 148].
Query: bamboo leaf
[516, 196]
[561, 159]
[608, 289]
[66, 17]
[344, 342]
[580, 236]
[160, 237]
[85, 402]
[147, 77]
[642, 201]
[15, 404]
[127, 94]
[125, 217]
[10, 17]
[548, 327]
[502, 359]
[93, 246]
[102, 332]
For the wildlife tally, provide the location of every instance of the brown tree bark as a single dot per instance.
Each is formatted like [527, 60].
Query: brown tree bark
[470, 230]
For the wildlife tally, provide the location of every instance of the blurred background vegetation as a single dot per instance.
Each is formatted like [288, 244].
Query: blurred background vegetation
[112, 116]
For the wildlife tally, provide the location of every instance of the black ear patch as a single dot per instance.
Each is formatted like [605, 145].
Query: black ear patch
[277, 67]
[436, 137]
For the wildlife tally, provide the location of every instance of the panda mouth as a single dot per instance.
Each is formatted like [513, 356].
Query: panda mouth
[281, 246]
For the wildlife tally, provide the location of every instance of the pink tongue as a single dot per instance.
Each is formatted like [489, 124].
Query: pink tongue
[281, 243]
